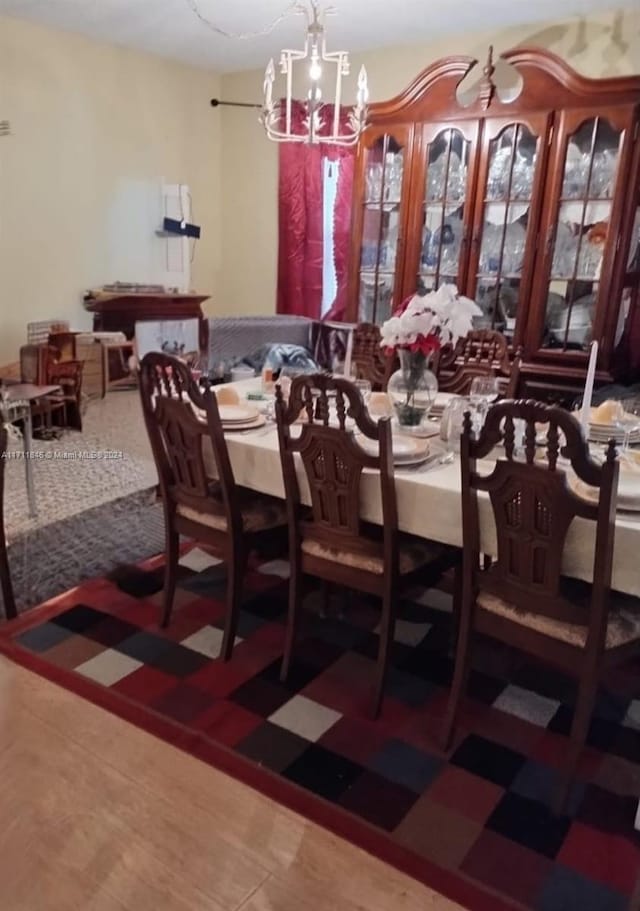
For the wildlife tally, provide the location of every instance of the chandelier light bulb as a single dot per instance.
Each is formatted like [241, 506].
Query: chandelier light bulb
[363, 87]
[315, 94]
[315, 70]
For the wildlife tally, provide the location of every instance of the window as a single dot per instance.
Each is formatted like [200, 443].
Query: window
[329, 278]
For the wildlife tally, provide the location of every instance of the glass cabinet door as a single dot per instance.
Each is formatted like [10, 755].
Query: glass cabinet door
[626, 334]
[579, 231]
[382, 227]
[445, 176]
[506, 220]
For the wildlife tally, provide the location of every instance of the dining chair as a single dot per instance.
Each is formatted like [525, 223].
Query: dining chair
[368, 358]
[483, 352]
[319, 430]
[522, 597]
[182, 419]
[5, 575]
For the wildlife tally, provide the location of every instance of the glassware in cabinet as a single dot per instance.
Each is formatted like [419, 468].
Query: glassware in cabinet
[506, 219]
[381, 225]
[448, 155]
[580, 234]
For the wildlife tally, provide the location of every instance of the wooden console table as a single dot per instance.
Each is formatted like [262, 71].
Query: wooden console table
[119, 311]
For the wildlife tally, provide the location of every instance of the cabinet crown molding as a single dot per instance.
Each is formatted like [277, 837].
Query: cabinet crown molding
[433, 91]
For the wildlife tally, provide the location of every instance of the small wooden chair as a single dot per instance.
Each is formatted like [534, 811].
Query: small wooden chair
[521, 597]
[330, 540]
[116, 370]
[483, 352]
[180, 418]
[40, 365]
[68, 402]
[369, 360]
[10, 610]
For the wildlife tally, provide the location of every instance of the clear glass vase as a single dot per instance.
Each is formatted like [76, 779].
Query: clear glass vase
[412, 388]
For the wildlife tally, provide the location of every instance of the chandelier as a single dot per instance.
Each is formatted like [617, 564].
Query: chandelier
[322, 121]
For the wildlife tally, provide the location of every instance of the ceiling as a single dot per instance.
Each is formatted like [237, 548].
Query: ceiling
[170, 27]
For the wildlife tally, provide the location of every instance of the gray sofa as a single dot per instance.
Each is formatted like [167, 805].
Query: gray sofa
[235, 337]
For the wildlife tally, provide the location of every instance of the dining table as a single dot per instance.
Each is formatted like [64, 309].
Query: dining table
[429, 501]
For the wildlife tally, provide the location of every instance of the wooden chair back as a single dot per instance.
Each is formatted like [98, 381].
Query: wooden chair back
[33, 364]
[333, 463]
[64, 343]
[483, 352]
[180, 417]
[369, 359]
[534, 506]
[68, 375]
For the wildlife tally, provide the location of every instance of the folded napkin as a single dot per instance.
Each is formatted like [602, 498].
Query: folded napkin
[380, 405]
[227, 395]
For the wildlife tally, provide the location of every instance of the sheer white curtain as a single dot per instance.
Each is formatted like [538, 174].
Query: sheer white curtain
[331, 169]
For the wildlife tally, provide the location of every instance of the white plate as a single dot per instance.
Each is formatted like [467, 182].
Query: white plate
[231, 414]
[628, 490]
[603, 436]
[614, 427]
[408, 463]
[258, 421]
[405, 448]
[423, 431]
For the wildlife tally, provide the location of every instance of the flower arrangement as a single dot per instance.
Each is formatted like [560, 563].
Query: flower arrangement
[425, 324]
[422, 326]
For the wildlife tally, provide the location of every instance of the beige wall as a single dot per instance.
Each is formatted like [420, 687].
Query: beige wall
[603, 45]
[85, 117]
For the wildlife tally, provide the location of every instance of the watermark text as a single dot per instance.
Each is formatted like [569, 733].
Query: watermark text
[65, 455]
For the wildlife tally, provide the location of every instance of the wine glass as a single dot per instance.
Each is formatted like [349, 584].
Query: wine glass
[484, 390]
[451, 426]
[269, 409]
[627, 420]
[364, 386]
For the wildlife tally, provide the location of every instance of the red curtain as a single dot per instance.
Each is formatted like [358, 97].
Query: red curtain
[300, 218]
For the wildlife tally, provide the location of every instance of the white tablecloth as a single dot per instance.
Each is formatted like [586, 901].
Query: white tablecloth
[429, 505]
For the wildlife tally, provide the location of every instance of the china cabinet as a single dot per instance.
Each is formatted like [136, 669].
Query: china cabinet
[523, 191]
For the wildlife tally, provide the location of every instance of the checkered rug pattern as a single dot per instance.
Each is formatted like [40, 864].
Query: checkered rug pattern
[476, 818]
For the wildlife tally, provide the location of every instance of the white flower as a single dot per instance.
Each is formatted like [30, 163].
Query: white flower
[442, 313]
[390, 332]
[417, 323]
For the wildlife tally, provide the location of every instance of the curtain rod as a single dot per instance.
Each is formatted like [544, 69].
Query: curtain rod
[216, 102]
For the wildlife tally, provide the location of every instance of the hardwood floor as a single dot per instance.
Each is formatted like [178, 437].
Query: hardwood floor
[100, 816]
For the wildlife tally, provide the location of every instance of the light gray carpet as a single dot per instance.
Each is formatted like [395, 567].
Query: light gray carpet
[93, 513]
[73, 474]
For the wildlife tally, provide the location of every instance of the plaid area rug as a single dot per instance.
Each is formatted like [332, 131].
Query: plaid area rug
[474, 824]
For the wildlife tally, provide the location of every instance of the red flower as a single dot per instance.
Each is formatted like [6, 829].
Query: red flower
[426, 343]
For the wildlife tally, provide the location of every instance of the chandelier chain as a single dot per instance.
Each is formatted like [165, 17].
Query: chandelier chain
[292, 7]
